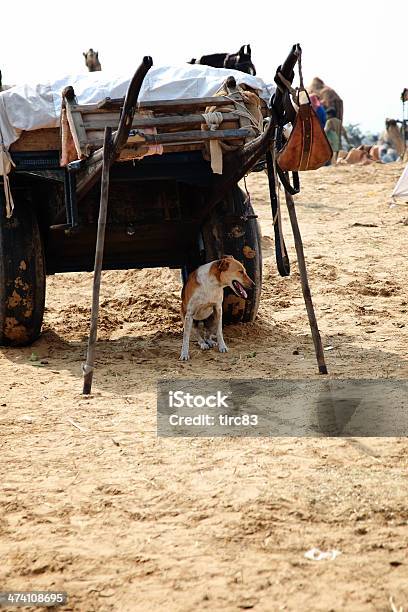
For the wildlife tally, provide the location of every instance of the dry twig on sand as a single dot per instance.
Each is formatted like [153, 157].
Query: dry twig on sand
[394, 607]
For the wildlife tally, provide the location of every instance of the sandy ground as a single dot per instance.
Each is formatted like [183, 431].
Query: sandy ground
[93, 503]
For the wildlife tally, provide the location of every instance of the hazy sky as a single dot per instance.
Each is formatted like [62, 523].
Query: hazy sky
[359, 48]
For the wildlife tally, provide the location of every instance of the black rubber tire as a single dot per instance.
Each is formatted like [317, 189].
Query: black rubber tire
[226, 233]
[22, 276]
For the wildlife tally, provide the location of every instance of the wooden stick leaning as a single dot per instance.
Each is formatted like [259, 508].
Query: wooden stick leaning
[88, 366]
[307, 296]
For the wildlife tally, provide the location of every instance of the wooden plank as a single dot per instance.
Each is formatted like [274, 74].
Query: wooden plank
[192, 136]
[68, 148]
[99, 122]
[182, 148]
[77, 129]
[158, 105]
[184, 103]
[38, 140]
[174, 148]
[102, 117]
[117, 103]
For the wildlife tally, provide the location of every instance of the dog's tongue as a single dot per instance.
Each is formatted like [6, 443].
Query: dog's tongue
[239, 289]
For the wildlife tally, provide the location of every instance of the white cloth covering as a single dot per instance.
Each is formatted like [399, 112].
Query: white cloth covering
[35, 106]
[401, 188]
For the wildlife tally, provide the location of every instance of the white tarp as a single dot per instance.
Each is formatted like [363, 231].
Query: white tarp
[35, 106]
[401, 188]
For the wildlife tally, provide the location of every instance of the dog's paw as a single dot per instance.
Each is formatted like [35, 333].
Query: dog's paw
[223, 349]
[203, 345]
[184, 357]
[211, 343]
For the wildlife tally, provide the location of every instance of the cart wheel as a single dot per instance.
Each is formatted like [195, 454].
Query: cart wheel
[227, 233]
[22, 276]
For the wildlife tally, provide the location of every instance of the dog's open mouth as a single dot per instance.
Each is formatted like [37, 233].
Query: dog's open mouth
[239, 290]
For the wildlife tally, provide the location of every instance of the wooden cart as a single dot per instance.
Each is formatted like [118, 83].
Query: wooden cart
[167, 207]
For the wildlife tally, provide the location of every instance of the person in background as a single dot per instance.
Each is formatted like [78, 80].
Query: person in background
[327, 96]
[319, 109]
[387, 153]
[334, 131]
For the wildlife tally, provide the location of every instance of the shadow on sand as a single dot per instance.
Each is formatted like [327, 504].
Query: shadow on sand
[131, 364]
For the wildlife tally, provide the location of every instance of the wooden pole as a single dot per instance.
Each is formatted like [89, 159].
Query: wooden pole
[88, 366]
[307, 296]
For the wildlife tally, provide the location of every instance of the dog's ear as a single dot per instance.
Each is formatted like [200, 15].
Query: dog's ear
[224, 262]
[248, 49]
[223, 265]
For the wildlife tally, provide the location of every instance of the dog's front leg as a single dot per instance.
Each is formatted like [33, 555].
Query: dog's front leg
[201, 342]
[222, 347]
[188, 324]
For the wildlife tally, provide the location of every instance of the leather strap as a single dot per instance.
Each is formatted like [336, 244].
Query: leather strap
[285, 113]
[282, 259]
[284, 179]
[307, 128]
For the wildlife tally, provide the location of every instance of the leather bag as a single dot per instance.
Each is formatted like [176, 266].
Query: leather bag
[307, 147]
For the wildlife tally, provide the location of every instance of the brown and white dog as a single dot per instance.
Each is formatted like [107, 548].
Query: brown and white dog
[202, 297]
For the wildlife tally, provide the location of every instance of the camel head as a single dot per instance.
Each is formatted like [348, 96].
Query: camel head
[91, 60]
[390, 123]
[394, 136]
